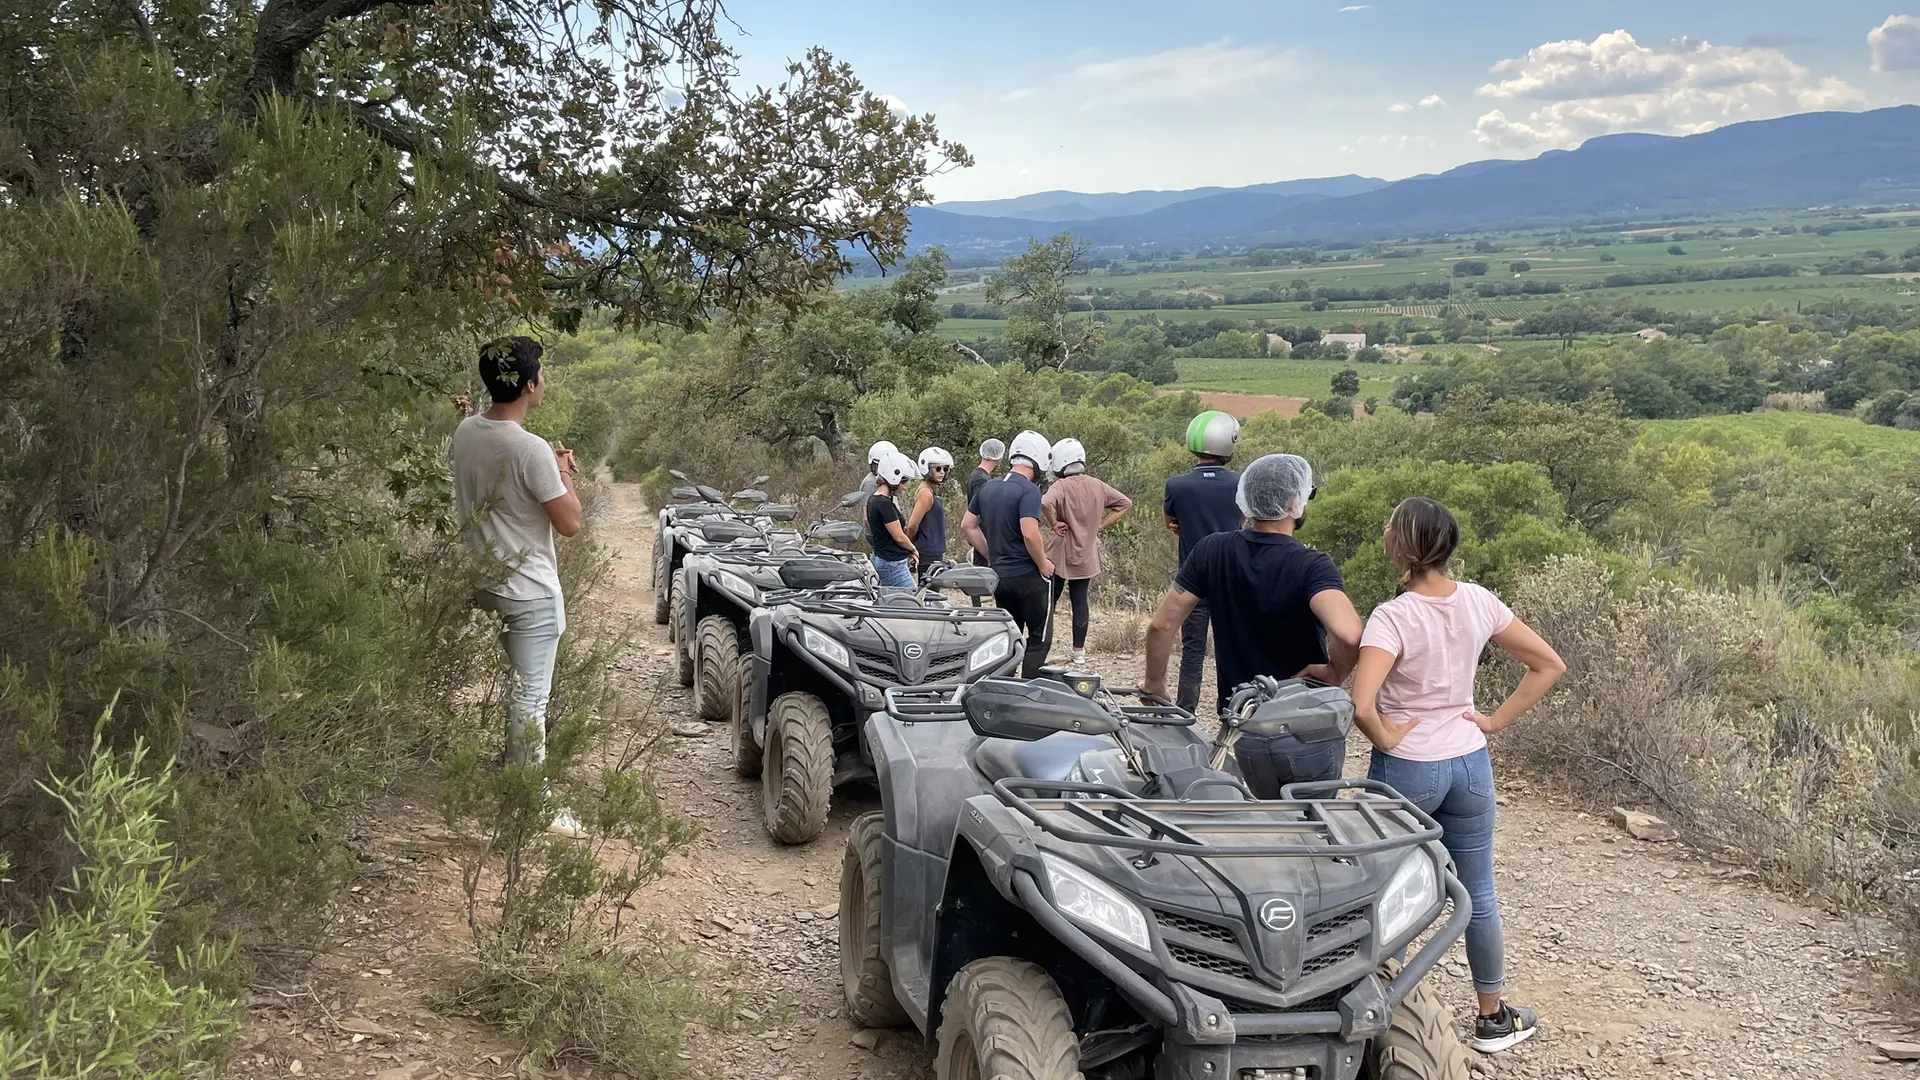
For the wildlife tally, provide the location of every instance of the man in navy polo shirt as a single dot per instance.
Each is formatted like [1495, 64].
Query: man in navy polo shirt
[1197, 505]
[1003, 523]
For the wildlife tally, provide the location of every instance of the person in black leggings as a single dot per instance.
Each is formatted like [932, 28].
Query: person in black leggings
[1078, 506]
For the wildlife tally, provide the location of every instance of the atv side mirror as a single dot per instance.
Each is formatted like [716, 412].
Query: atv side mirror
[976, 582]
[1026, 711]
[686, 494]
[817, 573]
[711, 494]
[776, 511]
[838, 532]
[680, 476]
[1309, 712]
[752, 495]
[723, 530]
[851, 498]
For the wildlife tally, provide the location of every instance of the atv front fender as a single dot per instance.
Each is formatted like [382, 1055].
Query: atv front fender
[760, 632]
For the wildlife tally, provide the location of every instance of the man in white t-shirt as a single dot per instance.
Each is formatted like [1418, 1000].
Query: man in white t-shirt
[512, 492]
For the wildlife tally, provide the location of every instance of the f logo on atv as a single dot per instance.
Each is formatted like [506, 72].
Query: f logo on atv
[912, 651]
[1278, 914]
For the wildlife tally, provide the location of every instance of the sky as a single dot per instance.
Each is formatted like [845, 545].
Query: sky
[1119, 95]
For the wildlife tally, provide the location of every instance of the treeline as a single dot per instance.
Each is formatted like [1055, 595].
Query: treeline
[1734, 370]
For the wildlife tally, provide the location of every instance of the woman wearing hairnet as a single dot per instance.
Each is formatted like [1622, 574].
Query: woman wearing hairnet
[1277, 607]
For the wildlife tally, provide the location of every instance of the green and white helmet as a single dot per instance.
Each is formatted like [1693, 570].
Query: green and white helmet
[1214, 434]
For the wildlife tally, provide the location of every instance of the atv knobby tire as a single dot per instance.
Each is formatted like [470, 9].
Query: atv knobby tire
[746, 752]
[864, 975]
[662, 584]
[1004, 1019]
[796, 779]
[1420, 1043]
[716, 667]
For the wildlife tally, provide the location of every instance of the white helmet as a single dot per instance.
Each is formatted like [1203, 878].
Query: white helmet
[878, 452]
[1069, 457]
[1033, 448]
[897, 468]
[933, 457]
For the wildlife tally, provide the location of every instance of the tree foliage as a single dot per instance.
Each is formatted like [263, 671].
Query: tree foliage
[1036, 288]
[246, 250]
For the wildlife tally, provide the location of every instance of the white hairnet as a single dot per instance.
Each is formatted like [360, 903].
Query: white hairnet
[1275, 488]
[993, 450]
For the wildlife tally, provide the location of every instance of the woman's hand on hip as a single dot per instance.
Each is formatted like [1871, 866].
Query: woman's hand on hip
[1392, 733]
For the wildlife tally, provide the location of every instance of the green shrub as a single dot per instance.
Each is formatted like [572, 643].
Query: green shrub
[554, 960]
[1724, 713]
[88, 990]
[1509, 519]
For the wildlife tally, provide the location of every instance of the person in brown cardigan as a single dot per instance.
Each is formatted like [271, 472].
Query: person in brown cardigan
[1077, 506]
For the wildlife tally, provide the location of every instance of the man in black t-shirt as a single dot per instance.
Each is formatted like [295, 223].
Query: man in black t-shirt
[1003, 523]
[1277, 608]
[1197, 505]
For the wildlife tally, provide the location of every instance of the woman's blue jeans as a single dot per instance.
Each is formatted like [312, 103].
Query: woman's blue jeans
[893, 575]
[1458, 793]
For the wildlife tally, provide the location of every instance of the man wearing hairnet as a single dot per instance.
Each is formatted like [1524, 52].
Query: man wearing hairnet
[1277, 608]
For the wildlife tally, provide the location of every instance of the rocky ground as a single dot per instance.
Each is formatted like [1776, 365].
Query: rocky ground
[1642, 960]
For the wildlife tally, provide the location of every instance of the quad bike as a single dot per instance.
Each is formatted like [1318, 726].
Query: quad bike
[1063, 885]
[717, 585]
[694, 504]
[822, 657]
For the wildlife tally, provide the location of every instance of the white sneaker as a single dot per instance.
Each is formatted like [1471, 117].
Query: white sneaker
[1079, 658]
[567, 824]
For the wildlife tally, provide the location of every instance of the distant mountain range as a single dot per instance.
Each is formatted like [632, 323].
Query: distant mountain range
[1813, 159]
[1081, 206]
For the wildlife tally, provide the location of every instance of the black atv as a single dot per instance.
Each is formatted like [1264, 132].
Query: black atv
[1067, 884]
[718, 588]
[728, 565]
[677, 530]
[823, 656]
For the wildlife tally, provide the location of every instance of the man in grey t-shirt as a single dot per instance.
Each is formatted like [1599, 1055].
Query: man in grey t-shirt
[512, 492]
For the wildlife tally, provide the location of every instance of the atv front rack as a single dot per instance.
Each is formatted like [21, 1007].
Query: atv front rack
[937, 703]
[1104, 815]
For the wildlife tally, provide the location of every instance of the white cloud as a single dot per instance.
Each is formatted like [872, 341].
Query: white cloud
[1188, 73]
[1574, 90]
[1895, 44]
[1399, 107]
[895, 105]
[1433, 101]
[1355, 7]
[1012, 96]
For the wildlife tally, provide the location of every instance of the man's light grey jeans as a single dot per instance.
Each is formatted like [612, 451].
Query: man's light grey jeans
[531, 636]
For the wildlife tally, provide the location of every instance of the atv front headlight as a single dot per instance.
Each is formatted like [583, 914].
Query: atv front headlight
[1093, 904]
[1409, 894]
[990, 653]
[736, 585]
[825, 647]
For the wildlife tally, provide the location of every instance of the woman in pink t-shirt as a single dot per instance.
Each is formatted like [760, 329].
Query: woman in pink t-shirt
[1413, 697]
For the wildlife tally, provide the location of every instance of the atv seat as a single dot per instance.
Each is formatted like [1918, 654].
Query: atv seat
[1051, 758]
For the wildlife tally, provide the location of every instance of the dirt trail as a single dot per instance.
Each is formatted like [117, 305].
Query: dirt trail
[1643, 962]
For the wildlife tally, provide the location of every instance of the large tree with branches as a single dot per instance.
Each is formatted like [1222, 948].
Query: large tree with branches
[246, 245]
